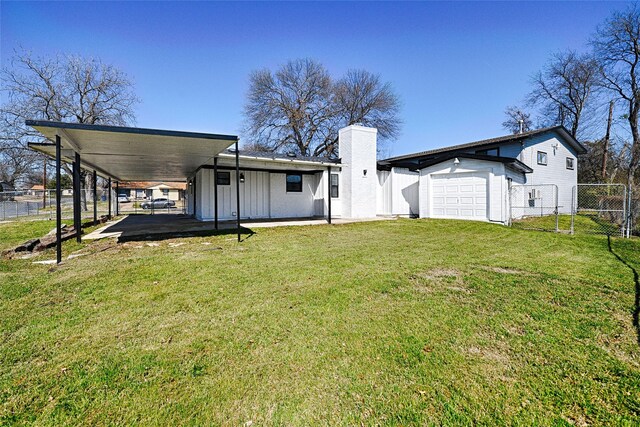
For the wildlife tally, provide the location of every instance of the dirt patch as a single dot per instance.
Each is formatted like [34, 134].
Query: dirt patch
[447, 278]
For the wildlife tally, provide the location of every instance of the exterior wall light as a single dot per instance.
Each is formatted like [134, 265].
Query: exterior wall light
[364, 172]
[456, 161]
[242, 177]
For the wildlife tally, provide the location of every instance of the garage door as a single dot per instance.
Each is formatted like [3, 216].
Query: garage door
[459, 195]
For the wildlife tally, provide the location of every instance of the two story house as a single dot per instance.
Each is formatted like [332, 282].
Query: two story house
[472, 181]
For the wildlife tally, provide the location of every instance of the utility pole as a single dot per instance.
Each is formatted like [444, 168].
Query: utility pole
[605, 143]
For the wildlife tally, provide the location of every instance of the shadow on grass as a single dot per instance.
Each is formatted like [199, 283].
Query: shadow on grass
[245, 233]
[636, 280]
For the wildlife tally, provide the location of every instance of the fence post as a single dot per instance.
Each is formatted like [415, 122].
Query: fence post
[555, 187]
[574, 197]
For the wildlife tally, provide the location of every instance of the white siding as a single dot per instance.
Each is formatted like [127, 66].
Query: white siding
[496, 183]
[405, 193]
[292, 205]
[555, 172]
[383, 193]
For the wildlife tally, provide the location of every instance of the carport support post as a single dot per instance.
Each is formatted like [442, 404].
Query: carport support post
[109, 196]
[95, 198]
[329, 195]
[58, 208]
[77, 221]
[118, 202]
[215, 192]
[237, 190]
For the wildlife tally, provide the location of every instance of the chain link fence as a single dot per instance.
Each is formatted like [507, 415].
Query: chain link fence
[600, 209]
[41, 204]
[534, 207]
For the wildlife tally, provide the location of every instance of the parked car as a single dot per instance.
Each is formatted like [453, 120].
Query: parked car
[158, 204]
[123, 198]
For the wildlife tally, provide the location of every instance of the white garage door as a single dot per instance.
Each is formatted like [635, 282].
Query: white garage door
[459, 195]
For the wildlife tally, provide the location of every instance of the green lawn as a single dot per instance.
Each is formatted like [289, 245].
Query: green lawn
[407, 322]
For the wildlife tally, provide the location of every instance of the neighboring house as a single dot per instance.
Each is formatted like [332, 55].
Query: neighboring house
[5, 186]
[471, 181]
[36, 189]
[140, 190]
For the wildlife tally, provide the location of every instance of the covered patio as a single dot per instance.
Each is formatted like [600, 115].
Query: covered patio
[129, 154]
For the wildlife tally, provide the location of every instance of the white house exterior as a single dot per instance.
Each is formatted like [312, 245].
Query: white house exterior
[472, 181]
[276, 186]
[468, 181]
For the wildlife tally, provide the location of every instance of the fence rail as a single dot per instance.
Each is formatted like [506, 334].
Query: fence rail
[595, 209]
[534, 207]
[39, 204]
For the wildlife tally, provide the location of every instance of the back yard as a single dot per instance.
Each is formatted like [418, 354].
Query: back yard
[406, 322]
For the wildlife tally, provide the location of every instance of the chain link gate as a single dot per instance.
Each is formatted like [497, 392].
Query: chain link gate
[534, 206]
[600, 209]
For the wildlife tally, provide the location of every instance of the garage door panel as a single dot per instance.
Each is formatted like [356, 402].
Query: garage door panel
[465, 195]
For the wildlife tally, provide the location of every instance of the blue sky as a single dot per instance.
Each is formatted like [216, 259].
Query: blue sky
[454, 65]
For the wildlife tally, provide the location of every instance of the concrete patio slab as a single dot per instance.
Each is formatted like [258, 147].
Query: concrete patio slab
[167, 225]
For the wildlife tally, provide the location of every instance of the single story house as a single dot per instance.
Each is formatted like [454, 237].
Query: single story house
[142, 190]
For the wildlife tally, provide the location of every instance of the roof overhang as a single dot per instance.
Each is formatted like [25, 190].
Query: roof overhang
[514, 164]
[132, 154]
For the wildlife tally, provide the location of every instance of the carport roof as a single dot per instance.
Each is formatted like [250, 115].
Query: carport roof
[133, 154]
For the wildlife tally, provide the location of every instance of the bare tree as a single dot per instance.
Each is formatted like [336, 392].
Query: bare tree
[62, 88]
[360, 97]
[300, 108]
[518, 120]
[617, 50]
[564, 88]
[287, 110]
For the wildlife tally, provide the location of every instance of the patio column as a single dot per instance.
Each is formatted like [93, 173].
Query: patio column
[118, 202]
[238, 190]
[95, 197]
[58, 208]
[215, 192]
[109, 196]
[77, 219]
[329, 194]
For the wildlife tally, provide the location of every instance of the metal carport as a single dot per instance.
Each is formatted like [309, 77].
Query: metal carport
[127, 154]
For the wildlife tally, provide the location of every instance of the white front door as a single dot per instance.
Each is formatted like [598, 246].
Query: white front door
[461, 195]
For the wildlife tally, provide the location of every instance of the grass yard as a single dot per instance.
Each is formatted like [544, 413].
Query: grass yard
[407, 322]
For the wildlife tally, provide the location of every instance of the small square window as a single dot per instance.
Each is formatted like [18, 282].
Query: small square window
[542, 158]
[294, 183]
[334, 186]
[223, 178]
[165, 191]
[570, 163]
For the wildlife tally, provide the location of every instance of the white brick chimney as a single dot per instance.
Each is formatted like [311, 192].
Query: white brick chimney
[357, 150]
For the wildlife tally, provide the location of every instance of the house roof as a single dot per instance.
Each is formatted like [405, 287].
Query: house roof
[268, 155]
[133, 154]
[561, 130]
[508, 161]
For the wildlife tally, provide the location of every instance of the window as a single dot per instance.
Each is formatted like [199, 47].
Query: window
[542, 158]
[490, 152]
[223, 178]
[570, 163]
[334, 186]
[294, 183]
[165, 191]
